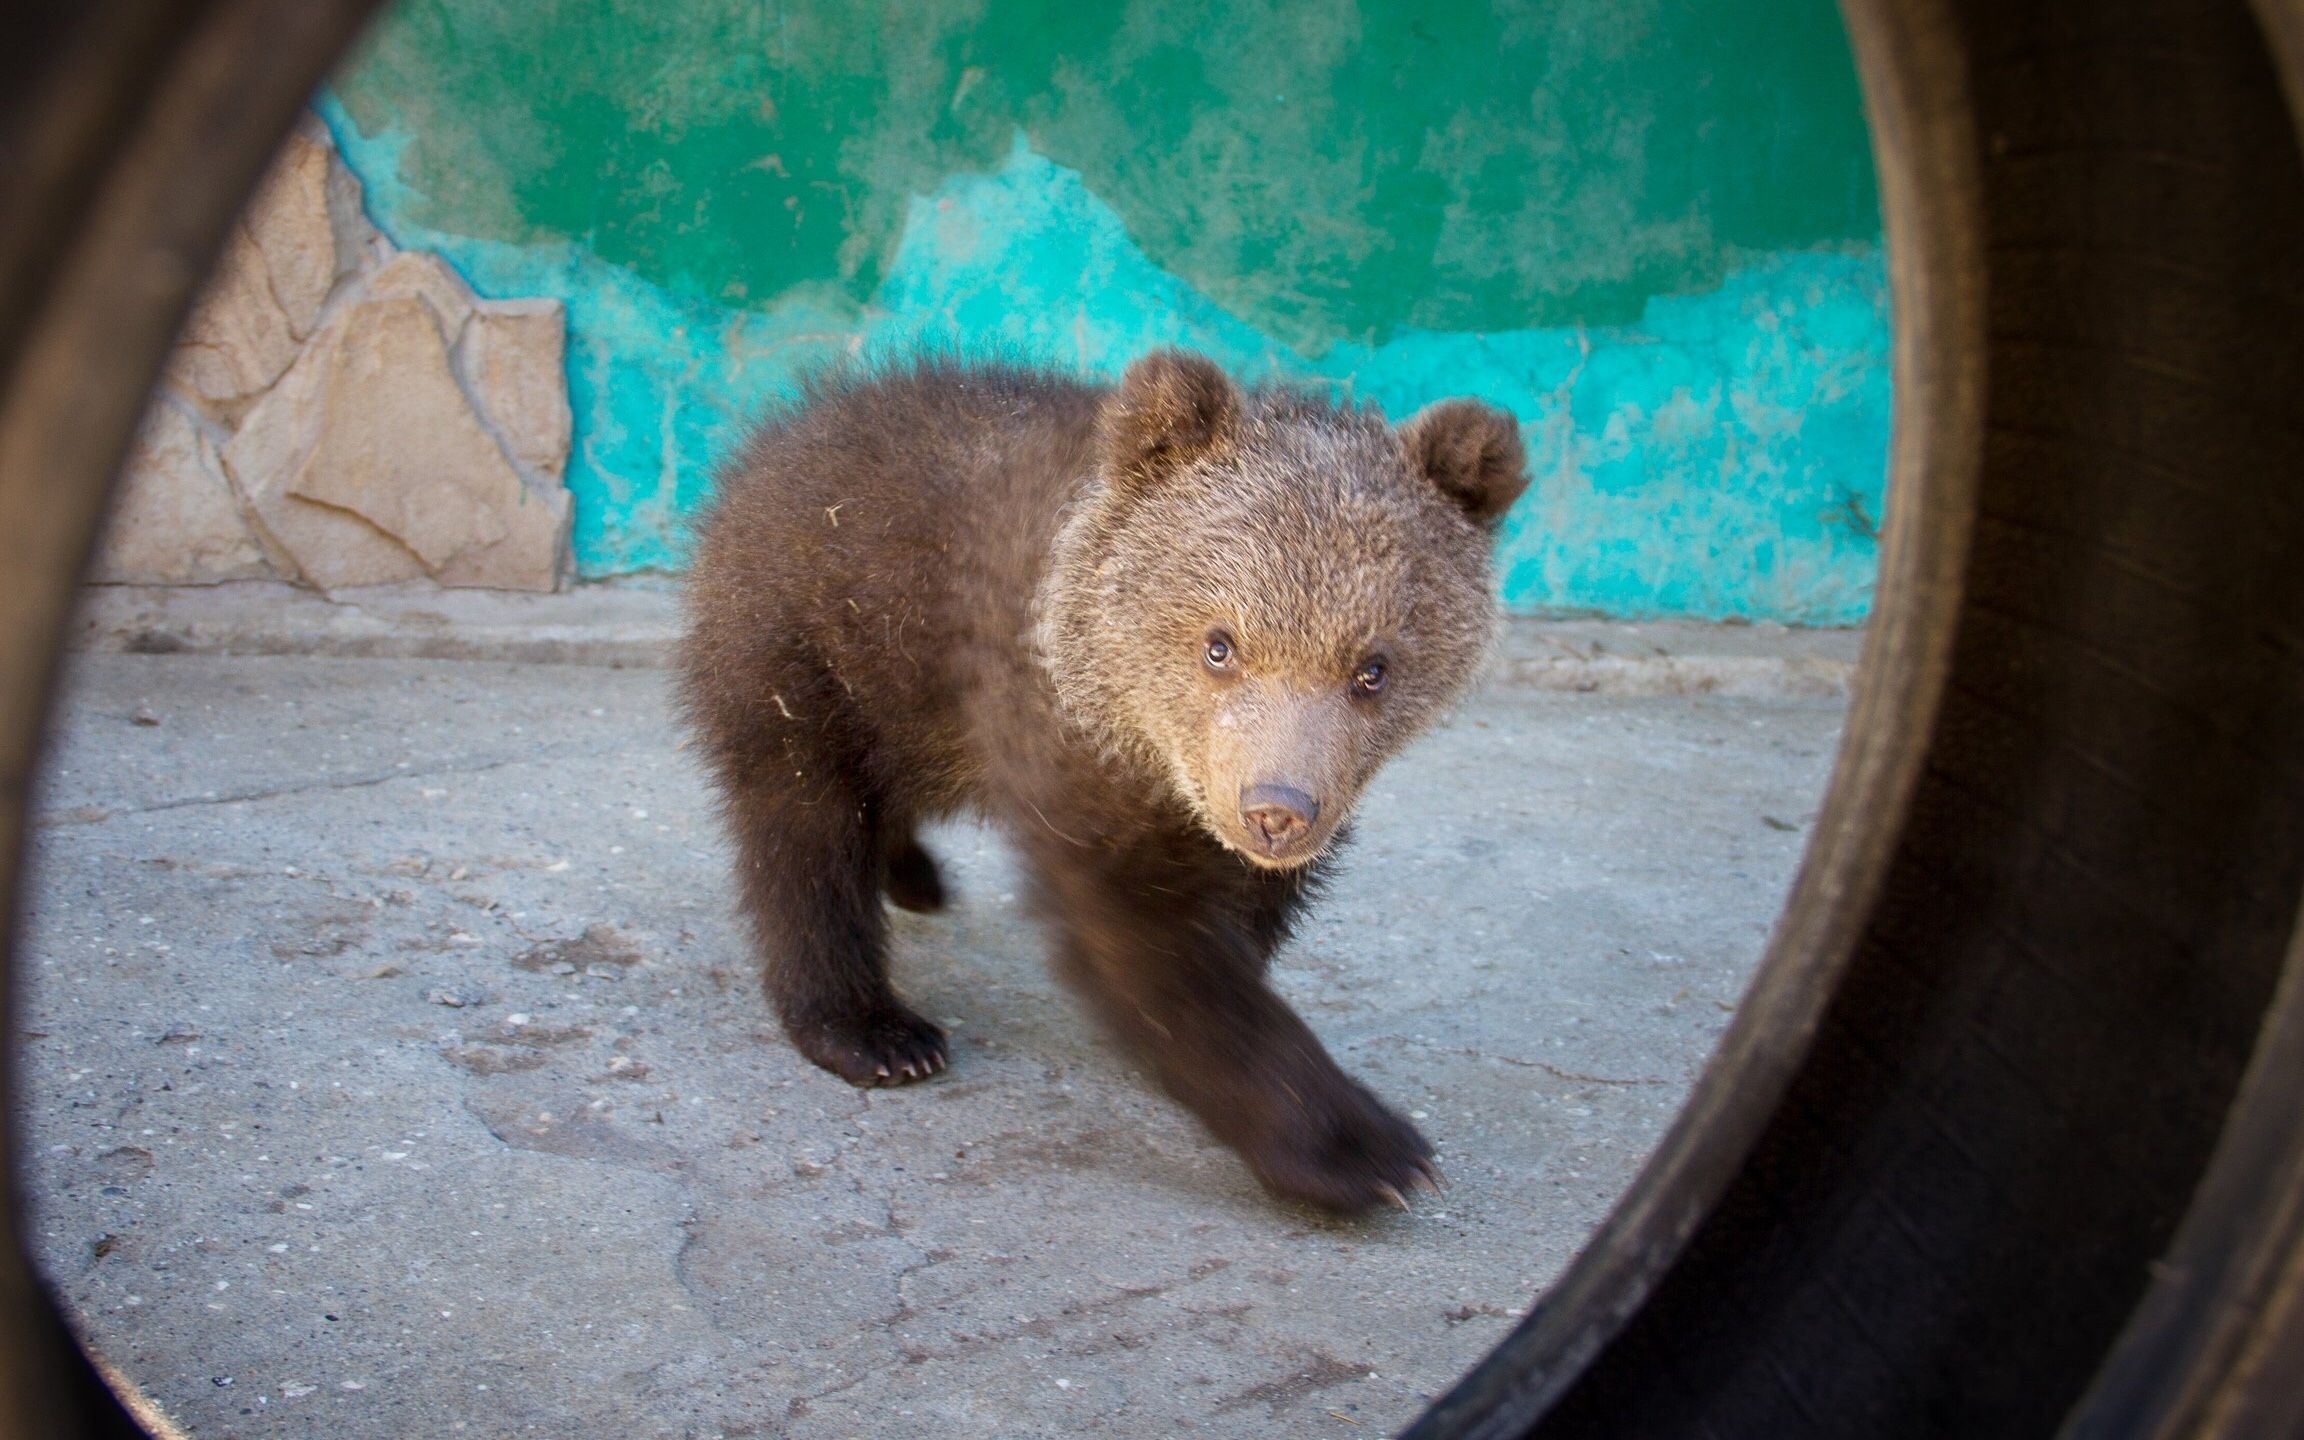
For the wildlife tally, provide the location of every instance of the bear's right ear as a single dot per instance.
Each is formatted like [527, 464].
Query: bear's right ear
[1171, 408]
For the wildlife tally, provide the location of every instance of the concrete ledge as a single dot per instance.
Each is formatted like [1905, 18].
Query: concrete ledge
[1677, 657]
[634, 626]
[622, 626]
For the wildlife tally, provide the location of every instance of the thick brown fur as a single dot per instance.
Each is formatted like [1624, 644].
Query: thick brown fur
[1161, 632]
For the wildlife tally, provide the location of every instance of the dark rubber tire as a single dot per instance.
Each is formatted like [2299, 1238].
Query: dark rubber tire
[1937, 1180]
[2004, 1140]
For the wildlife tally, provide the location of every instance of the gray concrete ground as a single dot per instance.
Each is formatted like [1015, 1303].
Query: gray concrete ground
[396, 1069]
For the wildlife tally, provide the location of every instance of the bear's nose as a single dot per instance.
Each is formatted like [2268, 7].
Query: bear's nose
[1280, 814]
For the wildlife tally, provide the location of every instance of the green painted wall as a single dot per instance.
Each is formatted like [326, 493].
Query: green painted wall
[1648, 226]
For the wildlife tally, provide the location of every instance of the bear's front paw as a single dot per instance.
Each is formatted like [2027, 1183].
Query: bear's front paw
[888, 1046]
[1344, 1152]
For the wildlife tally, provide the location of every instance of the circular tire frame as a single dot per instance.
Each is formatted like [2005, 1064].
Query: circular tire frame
[2007, 1137]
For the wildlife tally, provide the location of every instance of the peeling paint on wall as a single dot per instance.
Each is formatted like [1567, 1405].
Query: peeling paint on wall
[1647, 228]
[1719, 456]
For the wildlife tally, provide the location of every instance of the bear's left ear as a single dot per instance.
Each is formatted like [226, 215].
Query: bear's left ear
[1471, 451]
[1171, 408]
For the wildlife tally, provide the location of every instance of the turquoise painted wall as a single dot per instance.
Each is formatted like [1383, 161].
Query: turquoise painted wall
[1646, 226]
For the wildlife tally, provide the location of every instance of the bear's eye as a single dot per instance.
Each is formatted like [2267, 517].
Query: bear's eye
[1219, 651]
[1369, 678]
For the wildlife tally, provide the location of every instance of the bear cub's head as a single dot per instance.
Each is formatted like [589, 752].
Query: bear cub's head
[1263, 595]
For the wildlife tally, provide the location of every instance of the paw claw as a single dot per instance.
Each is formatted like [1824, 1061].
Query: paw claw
[1392, 1193]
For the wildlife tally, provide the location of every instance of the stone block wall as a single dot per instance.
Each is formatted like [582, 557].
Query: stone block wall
[339, 413]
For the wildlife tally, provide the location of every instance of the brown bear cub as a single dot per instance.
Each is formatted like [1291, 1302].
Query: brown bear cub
[1162, 632]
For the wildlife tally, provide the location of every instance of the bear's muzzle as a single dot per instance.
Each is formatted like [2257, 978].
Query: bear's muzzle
[1279, 817]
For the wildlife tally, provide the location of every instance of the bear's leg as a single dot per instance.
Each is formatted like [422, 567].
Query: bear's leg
[809, 866]
[911, 879]
[1170, 951]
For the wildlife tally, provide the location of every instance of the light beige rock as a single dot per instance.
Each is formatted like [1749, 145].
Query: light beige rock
[513, 362]
[313, 543]
[238, 340]
[399, 445]
[366, 464]
[175, 521]
[384, 425]
[289, 222]
[533, 555]
[359, 244]
[422, 275]
[303, 231]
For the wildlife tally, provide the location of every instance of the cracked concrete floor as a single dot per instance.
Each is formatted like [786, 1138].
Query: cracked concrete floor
[395, 1068]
